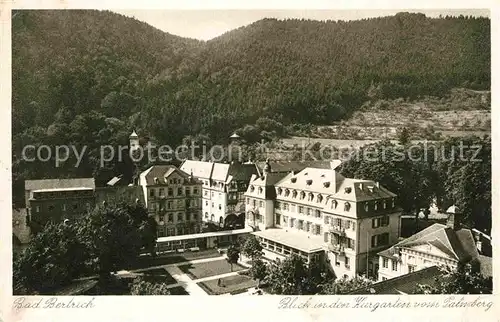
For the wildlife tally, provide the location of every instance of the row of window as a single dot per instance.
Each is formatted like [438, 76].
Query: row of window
[299, 224]
[280, 248]
[213, 205]
[339, 241]
[340, 223]
[179, 204]
[380, 222]
[170, 191]
[385, 264]
[64, 207]
[347, 261]
[162, 232]
[63, 194]
[180, 217]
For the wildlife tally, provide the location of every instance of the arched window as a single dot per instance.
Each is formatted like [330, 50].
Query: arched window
[366, 206]
[287, 192]
[334, 204]
[302, 195]
[252, 188]
[260, 189]
[347, 206]
[375, 206]
[221, 220]
[206, 215]
[294, 194]
[320, 198]
[212, 218]
[311, 196]
[280, 191]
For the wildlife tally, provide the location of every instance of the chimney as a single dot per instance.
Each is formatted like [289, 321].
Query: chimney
[454, 218]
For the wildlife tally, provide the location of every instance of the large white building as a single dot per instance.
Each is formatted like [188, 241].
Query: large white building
[319, 213]
[437, 245]
[223, 187]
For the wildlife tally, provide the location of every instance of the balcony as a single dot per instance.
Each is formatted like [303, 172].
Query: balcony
[339, 249]
[337, 230]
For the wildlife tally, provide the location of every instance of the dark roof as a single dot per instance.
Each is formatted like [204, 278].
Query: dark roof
[59, 183]
[288, 166]
[162, 171]
[242, 171]
[404, 284]
[459, 244]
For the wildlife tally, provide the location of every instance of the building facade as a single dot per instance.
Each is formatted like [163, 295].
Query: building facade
[224, 186]
[319, 213]
[437, 245]
[173, 198]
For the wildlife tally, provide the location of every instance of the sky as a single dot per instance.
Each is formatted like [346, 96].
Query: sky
[207, 24]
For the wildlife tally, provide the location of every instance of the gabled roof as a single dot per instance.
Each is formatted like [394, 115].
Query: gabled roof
[200, 169]
[133, 135]
[161, 172]
[459, 245]
[220, 172]
[59, 183]
[288, 166]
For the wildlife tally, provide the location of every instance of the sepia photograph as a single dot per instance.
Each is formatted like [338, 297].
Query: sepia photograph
[251, 153]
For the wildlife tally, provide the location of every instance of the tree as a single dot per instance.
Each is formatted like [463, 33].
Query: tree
[465, 279]
[252, 248]
[53, 258]
[345, 285]
[114, 237]
[233, 255]
[258, 270]
[403, 135]
[288, 277]
[143, 287]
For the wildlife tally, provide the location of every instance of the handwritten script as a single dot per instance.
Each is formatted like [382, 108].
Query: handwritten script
[363, 302]
[52, 303]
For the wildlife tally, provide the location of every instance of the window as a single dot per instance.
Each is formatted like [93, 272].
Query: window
[248, 201]
[294, 194]
[318, 214]
[287, 193]
[212, 194]
[309, 211]
[170, 217]
[220, 207]
[188, 217]
[188, 191]
[394, 265]
[411, 268]
[325, 236]
[151, 192]
[347, 206]
[366, 207]
[385, 262]
[375, 222]
[318, 230]
[261, 204]
[384, 278]
[327, 220]
[278, 219]
[161, 191]
[385, 221]
[302, 195]
[64, 207]
[285, 219]
[254, 202]
[278, 205]
[51, 207]
[347, 262]
[195, 191]
[380, 240]
[170, 192]
[349, 243]
[206, 203]
[375, 205]
[301, 224]
[301, 210]
[292, 222]
[179, 191]
[308, 226]
[180, 217]
[334, 204]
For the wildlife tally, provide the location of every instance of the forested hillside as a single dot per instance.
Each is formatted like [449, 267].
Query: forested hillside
[90, 77]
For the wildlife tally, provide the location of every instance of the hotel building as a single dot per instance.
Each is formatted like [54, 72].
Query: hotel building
[224, 185]
[319, 213]
[173, 198]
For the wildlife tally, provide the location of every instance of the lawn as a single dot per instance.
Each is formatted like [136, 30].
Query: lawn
[232, 284]
[159, 275]
[212, 268]
[178, 290]
[148, 261]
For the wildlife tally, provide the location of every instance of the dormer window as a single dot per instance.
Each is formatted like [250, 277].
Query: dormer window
[156, 180]
[393, 202]
[347, 190]
[309, 182]
[280, 191]
[311, 196]
[375, 206]
[326, 184]
[252, 188]
[320, 198]
[293, 180]
[260, 189]
[302, 195]
[370, 188]
[294, 194]
[366, 206]
[334, 204]
[385, 204]
[287, 193]
[347, 206]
